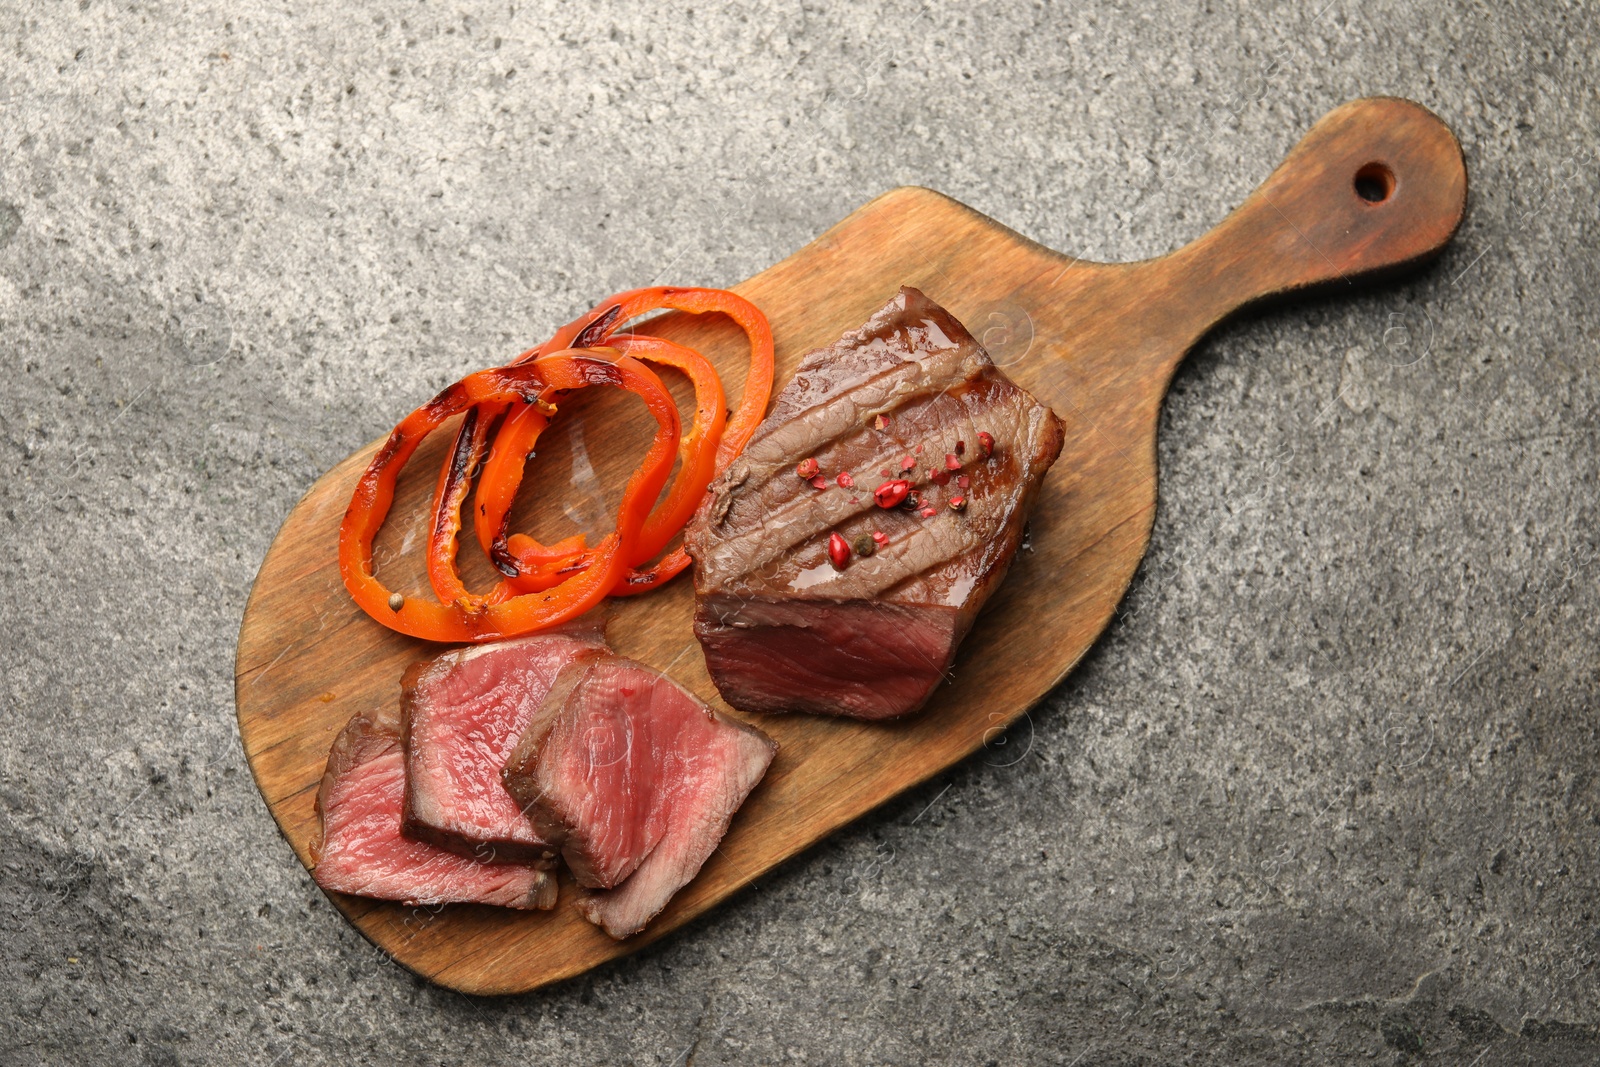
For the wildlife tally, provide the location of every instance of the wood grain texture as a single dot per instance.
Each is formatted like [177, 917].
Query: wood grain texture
[1097, 342]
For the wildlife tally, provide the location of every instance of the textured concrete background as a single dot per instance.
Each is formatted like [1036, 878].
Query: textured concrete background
[1326, 792]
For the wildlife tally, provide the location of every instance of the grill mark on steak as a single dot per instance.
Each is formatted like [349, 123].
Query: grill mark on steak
[781, 516]
[763, 574]
[768, 455]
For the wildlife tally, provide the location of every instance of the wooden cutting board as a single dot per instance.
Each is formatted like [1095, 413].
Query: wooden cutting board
[1377, 184]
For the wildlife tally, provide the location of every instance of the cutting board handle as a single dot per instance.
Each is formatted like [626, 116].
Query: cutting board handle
[1377, 184]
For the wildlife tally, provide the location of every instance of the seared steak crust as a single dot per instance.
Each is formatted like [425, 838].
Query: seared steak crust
[783, 627]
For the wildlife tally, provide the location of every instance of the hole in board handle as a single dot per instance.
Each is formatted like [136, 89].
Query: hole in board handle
[1374, 183]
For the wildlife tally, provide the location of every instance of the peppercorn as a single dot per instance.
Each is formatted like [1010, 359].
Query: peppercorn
[892, 492]
[838, 551]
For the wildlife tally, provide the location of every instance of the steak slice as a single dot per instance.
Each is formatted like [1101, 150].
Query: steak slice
[363, 851]
[909, 395]
[637, 779]
[463, 712]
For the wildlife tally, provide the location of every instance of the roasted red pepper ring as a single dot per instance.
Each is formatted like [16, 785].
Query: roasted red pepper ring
[611, 314]
[499, 615]
[521, 427]
[539, 566]
[472, 438]
[442, 572]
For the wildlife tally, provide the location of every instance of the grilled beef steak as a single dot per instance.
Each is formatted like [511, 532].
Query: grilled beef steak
[844, 555]
[364, 852]
[637, 780]
[463, 712]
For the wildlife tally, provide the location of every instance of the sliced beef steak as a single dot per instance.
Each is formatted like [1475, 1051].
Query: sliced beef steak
[910, 403]
[364, 852]
[463, 712]
[637, 779]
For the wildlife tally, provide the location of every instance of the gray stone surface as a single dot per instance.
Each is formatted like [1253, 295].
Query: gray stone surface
[1325, 793]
